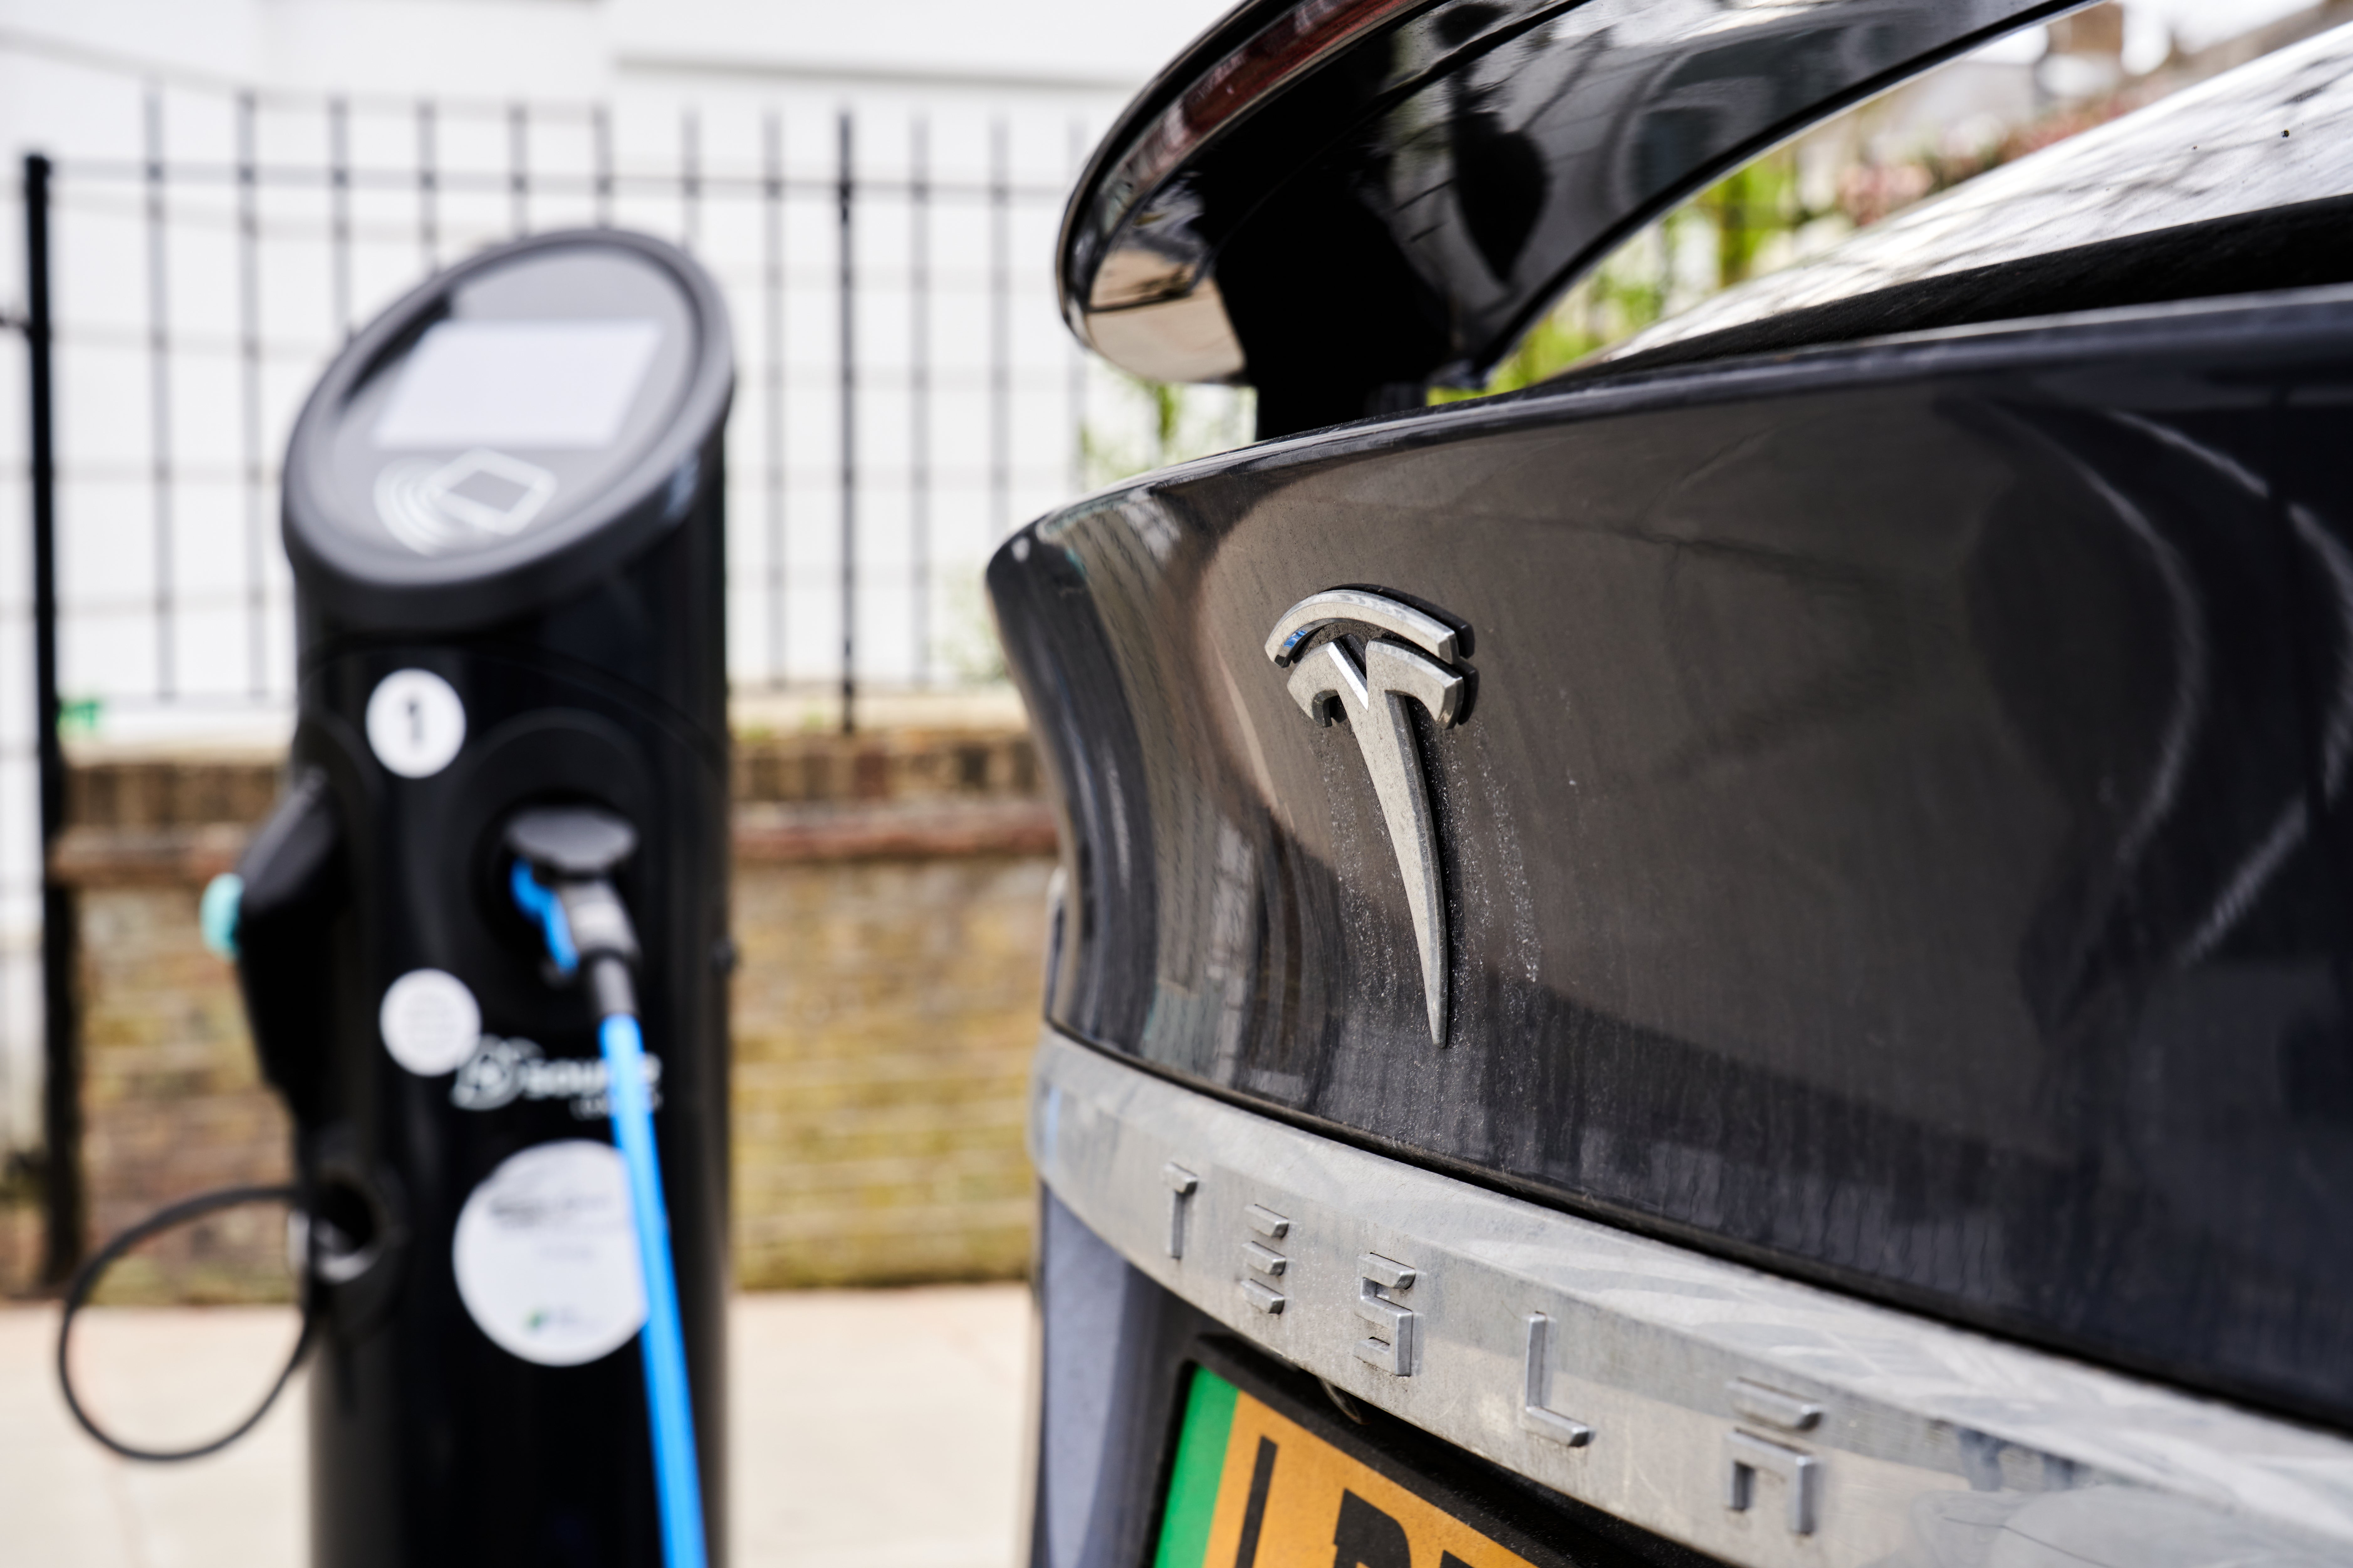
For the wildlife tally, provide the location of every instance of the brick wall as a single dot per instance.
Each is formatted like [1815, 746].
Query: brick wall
[885, 1012]
[889, 910]
[172, 1101]
[20, 1235]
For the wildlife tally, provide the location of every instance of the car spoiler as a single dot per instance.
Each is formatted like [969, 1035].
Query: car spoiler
[1342, 202]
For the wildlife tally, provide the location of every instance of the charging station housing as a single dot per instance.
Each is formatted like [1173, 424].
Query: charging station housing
[504, 505]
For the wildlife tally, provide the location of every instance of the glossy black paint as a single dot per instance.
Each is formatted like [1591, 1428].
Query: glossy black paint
[429, 1444]
[1403, 212]
[589, 655]
[1901, 838]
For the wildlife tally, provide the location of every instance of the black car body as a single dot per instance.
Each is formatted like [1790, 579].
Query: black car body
[1748, 952]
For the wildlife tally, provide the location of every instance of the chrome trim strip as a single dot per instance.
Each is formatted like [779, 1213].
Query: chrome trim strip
[1885, 1439]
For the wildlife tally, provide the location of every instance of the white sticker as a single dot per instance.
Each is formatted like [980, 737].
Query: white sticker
[415, 723]
[431, 1022]
[546, 1261]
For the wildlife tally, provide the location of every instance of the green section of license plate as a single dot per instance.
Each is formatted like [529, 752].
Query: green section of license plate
[1253, 1488]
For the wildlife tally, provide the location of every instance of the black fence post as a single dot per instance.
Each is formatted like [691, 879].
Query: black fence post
[690, 179]
[164, 491]
[1076, 395]
[772, 410]
[248, 355]
[519, 169]
[428, 179]
[61, 1068]
[339, 213]
[848, 191]
[1000, 331]
[600, 123]
[919, 392]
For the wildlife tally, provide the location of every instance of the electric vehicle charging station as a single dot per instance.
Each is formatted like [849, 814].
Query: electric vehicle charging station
[499, 863]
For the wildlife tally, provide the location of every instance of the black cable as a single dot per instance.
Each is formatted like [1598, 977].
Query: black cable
[86, 1280]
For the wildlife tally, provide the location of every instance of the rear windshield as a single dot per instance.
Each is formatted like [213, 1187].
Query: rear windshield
[2241, 184]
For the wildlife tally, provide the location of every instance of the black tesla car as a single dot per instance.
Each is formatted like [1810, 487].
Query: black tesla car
[1746, 955]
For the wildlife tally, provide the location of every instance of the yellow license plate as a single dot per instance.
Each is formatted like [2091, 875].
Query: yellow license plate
[1252, 1489]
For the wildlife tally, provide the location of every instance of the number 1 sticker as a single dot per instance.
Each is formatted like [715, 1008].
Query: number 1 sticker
[415, 723]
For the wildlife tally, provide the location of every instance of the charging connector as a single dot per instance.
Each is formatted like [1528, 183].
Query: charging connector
[562, 881]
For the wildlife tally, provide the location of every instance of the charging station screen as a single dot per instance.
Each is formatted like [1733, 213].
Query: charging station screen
[553, 385]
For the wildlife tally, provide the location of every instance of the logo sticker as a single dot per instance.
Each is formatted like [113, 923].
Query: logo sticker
[546, 1261]
[501, 1071]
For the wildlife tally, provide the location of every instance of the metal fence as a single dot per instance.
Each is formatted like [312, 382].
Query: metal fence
[906, 393]
[202, 284]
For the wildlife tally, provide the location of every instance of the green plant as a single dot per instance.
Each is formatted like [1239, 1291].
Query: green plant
[1156, 423]
[1738, 227]
[967, 644]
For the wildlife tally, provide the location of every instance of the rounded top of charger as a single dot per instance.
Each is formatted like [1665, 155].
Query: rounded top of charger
[514, 428]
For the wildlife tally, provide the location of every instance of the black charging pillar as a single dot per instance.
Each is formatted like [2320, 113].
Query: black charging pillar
[504, 510]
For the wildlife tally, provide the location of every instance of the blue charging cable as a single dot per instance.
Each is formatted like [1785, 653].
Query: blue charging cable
[677, 1480]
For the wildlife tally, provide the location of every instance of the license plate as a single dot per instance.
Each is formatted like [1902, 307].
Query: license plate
[1252, 1488]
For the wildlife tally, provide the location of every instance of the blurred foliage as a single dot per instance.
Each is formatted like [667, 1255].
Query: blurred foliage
[145, 1282]
[230, 1255]
[1736, 228]
[968, 644]
[1756, 220]
[1613, 303]
[1152, 423]
[24, 1177]
[1748, 210]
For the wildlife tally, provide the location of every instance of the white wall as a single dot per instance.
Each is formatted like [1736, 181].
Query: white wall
[577, 48]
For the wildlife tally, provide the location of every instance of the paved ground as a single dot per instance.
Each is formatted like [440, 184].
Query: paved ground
[872, 1429]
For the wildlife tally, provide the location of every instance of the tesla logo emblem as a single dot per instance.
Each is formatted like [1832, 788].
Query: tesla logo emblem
[1327, 681]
